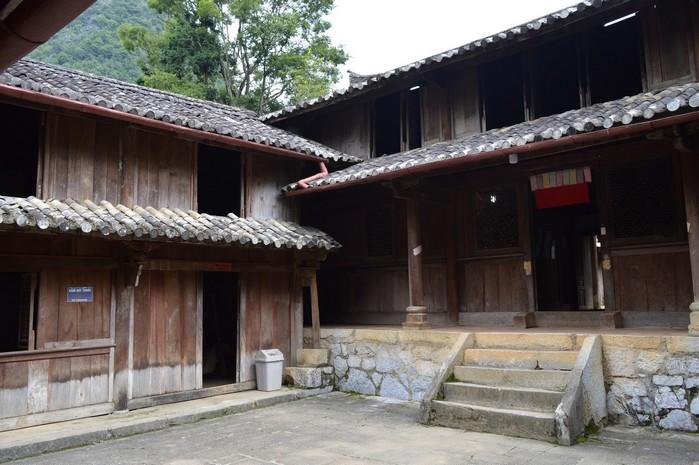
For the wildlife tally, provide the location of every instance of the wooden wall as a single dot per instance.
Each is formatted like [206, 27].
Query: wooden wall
[264, 179]
[64, 380]
[493, 287]
[98, 160]
[269, 318]
[652, 281]
[347, 130]
[165, 333]
[63, 321]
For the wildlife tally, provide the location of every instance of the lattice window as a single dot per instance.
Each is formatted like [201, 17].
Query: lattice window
[379, 242]
[497, 226]
[642, 200]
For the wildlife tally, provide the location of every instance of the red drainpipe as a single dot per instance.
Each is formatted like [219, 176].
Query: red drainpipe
[197, 134]
[32, 23]
[566, 142]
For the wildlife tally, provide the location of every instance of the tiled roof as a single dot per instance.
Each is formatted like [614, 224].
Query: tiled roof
[515, 34]
[159, 105]
[642, 107]
[163, 225]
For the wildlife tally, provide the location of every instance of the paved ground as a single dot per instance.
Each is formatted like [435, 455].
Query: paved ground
[338, 428]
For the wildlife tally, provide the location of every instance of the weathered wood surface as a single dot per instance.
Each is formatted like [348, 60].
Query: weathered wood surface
[465, 104]
[95, 160]
[67, 379]
[164, 333]
[266, 313]
[652, 282]
[265, 177]
[63, 321]
[493, 287]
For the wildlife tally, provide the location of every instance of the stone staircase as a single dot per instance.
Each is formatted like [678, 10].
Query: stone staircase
[509, 384]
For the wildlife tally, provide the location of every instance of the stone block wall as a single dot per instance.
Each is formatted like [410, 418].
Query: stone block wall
[387, 362]
[652, 381]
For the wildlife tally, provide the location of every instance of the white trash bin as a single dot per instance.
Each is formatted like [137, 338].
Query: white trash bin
[269, 365]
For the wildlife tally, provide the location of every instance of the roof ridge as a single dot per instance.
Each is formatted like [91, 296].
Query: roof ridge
[508, 34]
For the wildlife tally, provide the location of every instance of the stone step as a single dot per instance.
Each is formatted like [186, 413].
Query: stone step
[533, 425]
[554, 380]
[530, 399]
[520, 341]
[529, 359]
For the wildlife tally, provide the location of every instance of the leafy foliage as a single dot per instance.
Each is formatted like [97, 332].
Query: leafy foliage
[90, 43]
[260, 54]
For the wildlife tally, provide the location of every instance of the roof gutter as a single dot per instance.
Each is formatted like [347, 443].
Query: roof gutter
[45, 99]
[561, 144]
[31, 23]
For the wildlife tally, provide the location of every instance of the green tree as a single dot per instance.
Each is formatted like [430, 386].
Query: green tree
[260, 54]
[90, 43]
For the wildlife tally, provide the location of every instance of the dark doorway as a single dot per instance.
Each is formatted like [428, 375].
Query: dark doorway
[567, 268]
[220, 339]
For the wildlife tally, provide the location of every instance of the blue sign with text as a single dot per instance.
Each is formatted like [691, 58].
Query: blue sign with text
[79, 294]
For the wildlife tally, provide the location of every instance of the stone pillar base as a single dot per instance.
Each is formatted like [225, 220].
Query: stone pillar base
[416, 318]
[524, 320]
[694, 319]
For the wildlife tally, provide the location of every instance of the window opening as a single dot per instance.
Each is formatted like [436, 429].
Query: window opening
[556, 83]
[379, 232]
[497, 224]
[643, 204]
[218, 181]
[503, 92]
[19, 133]
[614, 61]
[387, 125]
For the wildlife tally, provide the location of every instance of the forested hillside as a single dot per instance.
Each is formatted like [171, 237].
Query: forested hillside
[90, 43]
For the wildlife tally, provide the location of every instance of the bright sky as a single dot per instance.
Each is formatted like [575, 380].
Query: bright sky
[380, 35]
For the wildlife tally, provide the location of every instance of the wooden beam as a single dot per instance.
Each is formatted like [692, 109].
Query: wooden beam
[16, 263]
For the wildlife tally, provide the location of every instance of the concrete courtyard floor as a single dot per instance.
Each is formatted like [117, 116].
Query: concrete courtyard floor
[340, 428]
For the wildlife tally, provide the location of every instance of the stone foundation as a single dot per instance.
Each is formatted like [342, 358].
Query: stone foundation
[649, 380]
[393, 363]
[652, 381]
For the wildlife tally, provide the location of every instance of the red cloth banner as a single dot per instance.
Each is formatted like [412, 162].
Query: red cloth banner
[561, 196]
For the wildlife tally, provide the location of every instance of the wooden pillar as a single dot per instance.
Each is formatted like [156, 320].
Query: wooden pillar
[452, 269]
[690, 182]
[122, 338]
[315, 313]
[416, 312]
[309, 280]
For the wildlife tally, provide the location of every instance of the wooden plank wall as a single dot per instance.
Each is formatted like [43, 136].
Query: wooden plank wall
[61, 321]
[164, 333]
[264, 179]
[653, 282]
[53, 384]
[377, 295]
[465, 104]
[163, 170]
[81, 159]
[96, 160]
[268, 313]
[348, 131]
[493, 287]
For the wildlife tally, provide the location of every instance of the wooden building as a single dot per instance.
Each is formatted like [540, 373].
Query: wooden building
[542, 176]
[146, 253]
